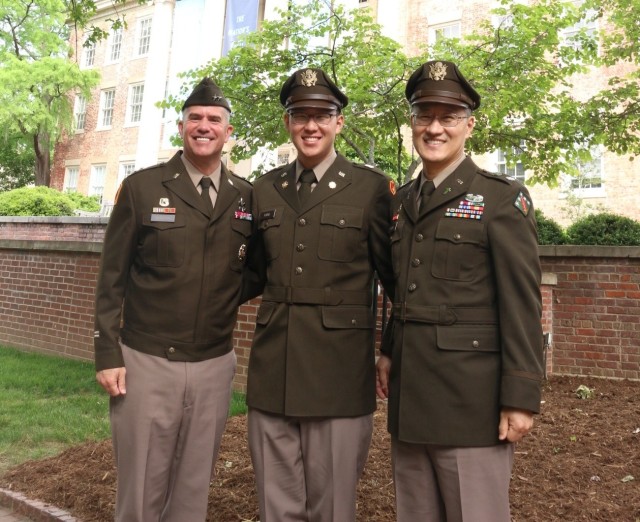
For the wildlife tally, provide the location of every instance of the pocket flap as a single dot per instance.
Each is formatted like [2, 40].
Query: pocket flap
[460, 230]
[342, 216]
[347, 317]
[469, 338]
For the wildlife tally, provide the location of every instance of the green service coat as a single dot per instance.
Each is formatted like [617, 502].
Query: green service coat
[313, 351]
[466, 335]
[176, 269]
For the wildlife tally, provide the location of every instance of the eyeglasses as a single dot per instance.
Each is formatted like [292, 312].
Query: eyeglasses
[446, 120]
[301, 118]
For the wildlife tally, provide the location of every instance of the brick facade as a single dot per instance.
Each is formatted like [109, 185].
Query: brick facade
[49, 267]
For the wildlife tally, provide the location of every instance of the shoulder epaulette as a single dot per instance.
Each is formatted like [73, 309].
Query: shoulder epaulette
[370, 168]
[497, 176]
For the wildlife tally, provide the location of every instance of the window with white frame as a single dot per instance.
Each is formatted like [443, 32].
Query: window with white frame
[572, 37]
[96, 181]
[143, 37]
[589, 181]
[89, 54]
[80, 112]
[283, 158]
[114, 45]
[510, 168]
[446, 31]
[134, 104]
[126, 169]
[107, 102]
[71, 175]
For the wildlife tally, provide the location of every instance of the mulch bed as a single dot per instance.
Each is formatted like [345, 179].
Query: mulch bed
[580, 463]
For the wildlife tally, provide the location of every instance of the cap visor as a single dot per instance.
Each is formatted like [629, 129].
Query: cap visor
[312, 104]
[440, 99]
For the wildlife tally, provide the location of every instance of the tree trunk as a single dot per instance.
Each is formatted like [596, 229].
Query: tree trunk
[41, 145]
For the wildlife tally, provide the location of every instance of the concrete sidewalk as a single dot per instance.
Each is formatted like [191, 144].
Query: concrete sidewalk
[15, 507]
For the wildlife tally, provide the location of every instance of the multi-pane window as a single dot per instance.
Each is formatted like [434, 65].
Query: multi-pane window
[89, 54]
[114, 47]
[80, 112]
[96, 181]
[590, 173]
[586, 29]
[444, 32]
[515, 170]
[134, 106]
[144, 36]
[71, 176]
[107, 101]
[283, 158]
[126, 169]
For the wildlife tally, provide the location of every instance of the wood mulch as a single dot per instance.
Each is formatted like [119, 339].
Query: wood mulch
[580, 463]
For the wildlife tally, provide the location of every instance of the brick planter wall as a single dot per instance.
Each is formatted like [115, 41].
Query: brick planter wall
[49, 266]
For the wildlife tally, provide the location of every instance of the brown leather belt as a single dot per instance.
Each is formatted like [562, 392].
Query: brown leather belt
[444, 314]
[316, 296]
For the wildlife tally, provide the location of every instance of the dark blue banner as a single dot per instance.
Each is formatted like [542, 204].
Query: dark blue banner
[241, 18]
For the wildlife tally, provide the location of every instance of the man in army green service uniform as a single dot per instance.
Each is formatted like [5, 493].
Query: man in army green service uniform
[323, 229]
[461, 361]
[166, 305]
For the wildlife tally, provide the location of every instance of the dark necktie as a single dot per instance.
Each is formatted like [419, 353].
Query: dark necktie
[427, 189]
[306, 179]
[205, 183]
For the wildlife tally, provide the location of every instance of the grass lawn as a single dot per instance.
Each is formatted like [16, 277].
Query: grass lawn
[50, 403]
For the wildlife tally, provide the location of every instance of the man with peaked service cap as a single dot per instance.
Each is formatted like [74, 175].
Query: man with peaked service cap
[461, 360]
[322, 230]
[166, 305]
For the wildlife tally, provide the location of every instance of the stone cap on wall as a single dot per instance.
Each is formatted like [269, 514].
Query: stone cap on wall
[588, 251]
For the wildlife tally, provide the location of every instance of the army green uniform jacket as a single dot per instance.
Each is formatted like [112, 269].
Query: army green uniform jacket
[466, 335]
[313, 351]
[177, 269]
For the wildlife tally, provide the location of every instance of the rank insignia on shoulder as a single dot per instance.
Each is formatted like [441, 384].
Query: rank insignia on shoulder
[522, 203]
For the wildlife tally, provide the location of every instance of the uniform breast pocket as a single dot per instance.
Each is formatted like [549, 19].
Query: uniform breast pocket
[163, 243]
[240, 235]
[270, 228]
[459, 249]
[340, 235]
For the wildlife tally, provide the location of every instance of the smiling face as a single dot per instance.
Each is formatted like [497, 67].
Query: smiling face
[204, 131]
[314, 142]
[439, 146]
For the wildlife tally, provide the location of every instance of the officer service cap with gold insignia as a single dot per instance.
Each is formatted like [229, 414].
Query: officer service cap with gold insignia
[311, 88]
[208, 94]
[439, 81]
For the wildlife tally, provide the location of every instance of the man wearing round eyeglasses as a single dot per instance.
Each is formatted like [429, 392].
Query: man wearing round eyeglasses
[461, 360]
[323, 230]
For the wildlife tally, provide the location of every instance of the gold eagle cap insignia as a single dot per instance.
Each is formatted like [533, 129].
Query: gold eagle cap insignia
[308, 78]
[437, 71]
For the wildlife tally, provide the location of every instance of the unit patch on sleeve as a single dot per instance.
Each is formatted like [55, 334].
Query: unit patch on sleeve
[522, 203]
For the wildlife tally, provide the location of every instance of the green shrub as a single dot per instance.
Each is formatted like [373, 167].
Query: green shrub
[86, 203]
[604, 229]
[549, 231]
[35, 201]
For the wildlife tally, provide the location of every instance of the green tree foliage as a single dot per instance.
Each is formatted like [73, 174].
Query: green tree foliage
[369, 67]
[549, 231]
[35, 201]
[84, 203]
[17, 162]
[604, 229]
[37, 77]
[517, 58]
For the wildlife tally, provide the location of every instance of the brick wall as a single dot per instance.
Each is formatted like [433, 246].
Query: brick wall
[49, 267]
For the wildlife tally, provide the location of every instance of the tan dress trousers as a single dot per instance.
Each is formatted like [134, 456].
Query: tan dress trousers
[166, 435]
[451, 484]
[307, 469]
